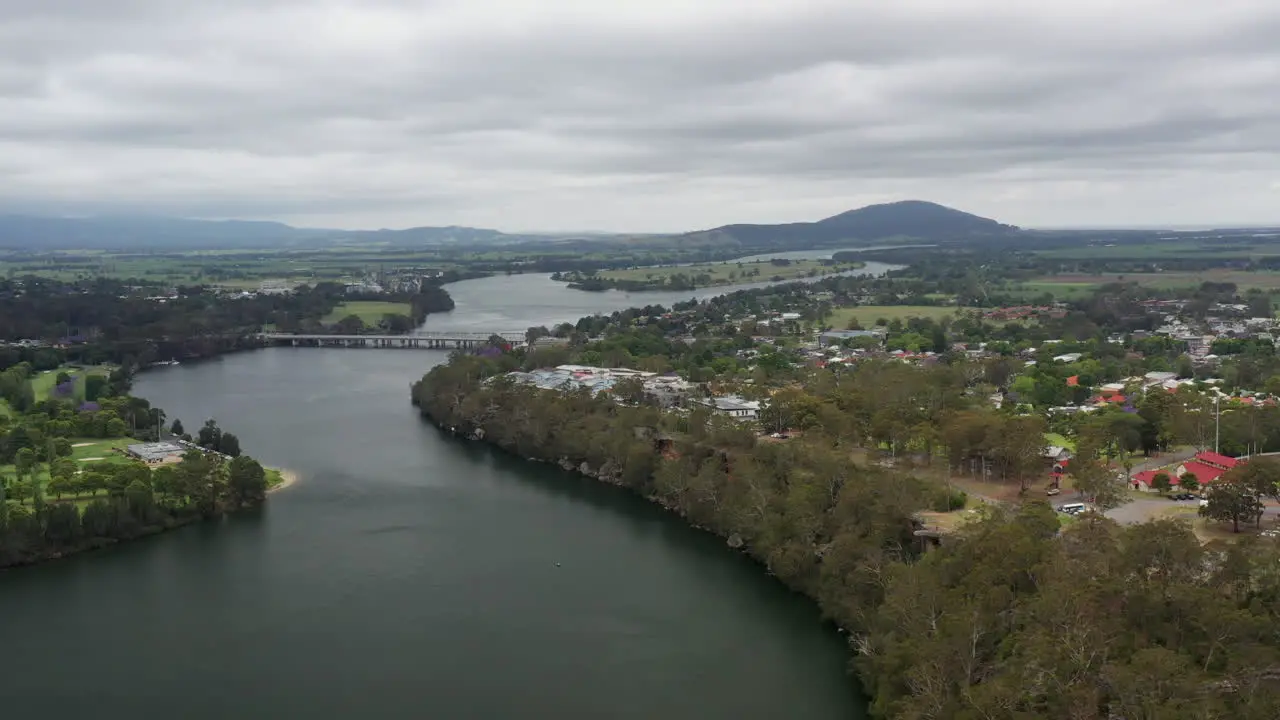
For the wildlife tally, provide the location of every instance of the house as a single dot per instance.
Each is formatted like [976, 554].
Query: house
[1056, 453]
[732, 406]
[1207, 466]
[1068, 357]
[835, 337]
[156, 453]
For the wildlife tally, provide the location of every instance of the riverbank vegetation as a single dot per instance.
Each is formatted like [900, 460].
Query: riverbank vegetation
[87, 323]
[701, 275]
[67, 484]
[1014, 615]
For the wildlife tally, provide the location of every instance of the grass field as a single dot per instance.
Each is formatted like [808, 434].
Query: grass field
[1243, 279]
[866, 315]
[1065, 288]
[91, 451]
[43, 383]
[370, 311]
[1235, 248]
[724, 273]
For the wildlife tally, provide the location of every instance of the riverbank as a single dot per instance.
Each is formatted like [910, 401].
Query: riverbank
[658, 278]
[283, 478]
[831, 526]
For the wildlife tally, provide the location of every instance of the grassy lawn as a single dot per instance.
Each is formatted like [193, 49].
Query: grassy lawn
[724, 273]
[274, 478]
[42, 383]
[95, 447]
[95, 451]
[369, 311]
[866, 315]
[1060, 441]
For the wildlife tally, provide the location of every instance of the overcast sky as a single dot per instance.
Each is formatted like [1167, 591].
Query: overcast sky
[641, 115]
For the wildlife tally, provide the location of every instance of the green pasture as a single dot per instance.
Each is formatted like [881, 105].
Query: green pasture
[724, 273]
[369, 311]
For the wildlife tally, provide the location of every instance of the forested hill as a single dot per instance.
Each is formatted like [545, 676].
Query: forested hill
[906, 220]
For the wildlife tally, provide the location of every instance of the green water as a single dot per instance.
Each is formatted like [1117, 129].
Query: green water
[408, 575]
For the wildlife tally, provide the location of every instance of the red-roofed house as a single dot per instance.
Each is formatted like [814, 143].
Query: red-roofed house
[1207, 466]
[1217, 460]
[1073, 381]
[1204, 474]
[1109, 399]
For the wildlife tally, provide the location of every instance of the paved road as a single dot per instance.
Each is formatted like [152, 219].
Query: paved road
[1165, 459]
[1138, 511]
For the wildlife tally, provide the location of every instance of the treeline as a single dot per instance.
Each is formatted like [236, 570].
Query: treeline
[1012, 617]
[52, 504]
[128, 501]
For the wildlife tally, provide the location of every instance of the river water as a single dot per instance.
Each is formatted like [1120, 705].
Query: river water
[515, 303]
[409, 574]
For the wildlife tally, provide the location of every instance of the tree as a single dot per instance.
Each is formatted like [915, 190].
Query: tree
[247, 480]
[94, 387]
[176, 427]
[1189, 483]
[229, 444]
[1230, 499]
[1098, 482]
[210, 435]
[62, 447]
[1162, 482]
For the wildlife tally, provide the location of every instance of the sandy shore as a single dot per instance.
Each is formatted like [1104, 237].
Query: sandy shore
[290, 477]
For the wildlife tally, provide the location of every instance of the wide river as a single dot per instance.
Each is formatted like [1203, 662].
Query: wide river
[410, 574]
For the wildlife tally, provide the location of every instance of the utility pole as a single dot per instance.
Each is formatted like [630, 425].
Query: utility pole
[1217, 420]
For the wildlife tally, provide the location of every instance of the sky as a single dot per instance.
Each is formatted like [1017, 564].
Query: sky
[641, 116]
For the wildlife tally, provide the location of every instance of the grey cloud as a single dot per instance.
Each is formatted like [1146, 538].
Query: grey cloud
[558, 114]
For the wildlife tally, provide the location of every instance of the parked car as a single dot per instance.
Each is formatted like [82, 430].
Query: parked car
[1053, 491]
[1184, 496]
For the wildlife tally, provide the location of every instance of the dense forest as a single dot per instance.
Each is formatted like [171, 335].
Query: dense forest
[1011, 617]
[53, 503]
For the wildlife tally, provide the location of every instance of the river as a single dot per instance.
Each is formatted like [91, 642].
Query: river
[410, 574]
[515, 303]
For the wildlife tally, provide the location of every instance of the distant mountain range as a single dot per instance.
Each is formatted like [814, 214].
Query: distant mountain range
[908, 220]
[27, 232]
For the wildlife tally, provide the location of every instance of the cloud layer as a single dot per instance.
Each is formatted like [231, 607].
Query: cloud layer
[641, 115]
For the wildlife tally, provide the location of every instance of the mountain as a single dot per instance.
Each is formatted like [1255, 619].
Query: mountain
[906, 220]
[30, 232]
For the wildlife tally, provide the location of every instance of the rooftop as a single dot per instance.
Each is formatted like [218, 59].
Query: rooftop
[155, 451]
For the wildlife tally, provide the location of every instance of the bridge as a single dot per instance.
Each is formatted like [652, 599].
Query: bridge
[421, 341]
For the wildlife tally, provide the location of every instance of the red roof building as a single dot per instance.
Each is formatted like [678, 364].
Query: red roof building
[1073, 381]
[1204, 474]
[1217, 460]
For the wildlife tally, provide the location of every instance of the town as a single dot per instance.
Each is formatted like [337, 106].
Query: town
[1194, 377]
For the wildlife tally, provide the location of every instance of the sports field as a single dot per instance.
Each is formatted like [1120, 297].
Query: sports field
[369, 311]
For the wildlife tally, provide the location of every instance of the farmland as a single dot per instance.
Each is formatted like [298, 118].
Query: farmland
[725, 273]
[1242, 279]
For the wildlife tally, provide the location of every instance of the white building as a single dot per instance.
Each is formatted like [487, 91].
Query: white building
[732, 406]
